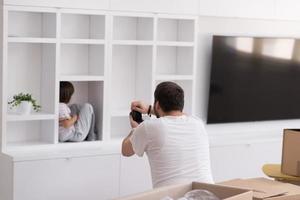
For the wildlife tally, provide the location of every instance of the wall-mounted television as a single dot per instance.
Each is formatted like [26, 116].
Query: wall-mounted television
[254, 79]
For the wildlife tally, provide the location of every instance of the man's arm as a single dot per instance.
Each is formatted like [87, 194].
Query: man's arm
[127, 149]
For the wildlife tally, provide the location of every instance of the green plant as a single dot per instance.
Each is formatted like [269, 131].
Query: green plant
[17, 99]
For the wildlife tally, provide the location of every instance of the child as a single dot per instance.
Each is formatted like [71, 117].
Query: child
[76, 123]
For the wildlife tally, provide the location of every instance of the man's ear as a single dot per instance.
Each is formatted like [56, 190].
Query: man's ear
[157, 106]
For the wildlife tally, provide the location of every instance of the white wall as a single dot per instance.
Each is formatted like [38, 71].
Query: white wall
[241, 149]
[258, 9]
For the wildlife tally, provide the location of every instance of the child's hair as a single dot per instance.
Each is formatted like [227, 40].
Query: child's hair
[65, 92]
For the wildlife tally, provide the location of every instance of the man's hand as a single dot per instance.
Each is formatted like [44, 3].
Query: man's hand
[133, 123]
[140, 107]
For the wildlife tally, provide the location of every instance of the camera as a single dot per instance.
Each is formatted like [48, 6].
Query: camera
[137, 116]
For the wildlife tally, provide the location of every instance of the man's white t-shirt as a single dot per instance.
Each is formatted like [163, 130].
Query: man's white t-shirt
[177, 148]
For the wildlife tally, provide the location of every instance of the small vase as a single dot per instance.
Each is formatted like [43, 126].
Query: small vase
[25, 108]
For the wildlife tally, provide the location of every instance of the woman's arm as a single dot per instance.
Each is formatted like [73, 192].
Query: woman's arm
[67, 123]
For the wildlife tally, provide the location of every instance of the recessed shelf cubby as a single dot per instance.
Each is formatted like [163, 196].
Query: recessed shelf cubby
[82, 59]
[90, 92]
[31, 24]
[82, 26]
[173, 60]
[30, 133]
[31, 69]
[131, 76]
[180, 30]
[133, 28]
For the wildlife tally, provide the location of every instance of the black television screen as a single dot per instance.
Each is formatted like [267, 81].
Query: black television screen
[254, 79]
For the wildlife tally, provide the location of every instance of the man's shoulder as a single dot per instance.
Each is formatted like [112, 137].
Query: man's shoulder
[153, 122]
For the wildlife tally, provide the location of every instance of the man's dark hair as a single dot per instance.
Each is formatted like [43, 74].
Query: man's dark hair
[66, 90]
[170, 96]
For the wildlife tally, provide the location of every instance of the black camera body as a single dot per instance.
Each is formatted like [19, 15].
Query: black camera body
[137, 116]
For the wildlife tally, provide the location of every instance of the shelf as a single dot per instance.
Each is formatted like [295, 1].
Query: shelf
[133, 42]
[30, 40]
[131, 70]
[132, 28]
[82, 59]
[176, 44]
[174, 77]
[31, 69]
[90, 92]
[30, 132]
[31, 24]
[82, 26]
[31, 117]
[175, 29]
[171, 60]
[82, 41]
[81, 78]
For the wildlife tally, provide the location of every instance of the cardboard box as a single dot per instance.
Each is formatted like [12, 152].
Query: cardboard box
[267, 189]
[290, 163]
[177, 191]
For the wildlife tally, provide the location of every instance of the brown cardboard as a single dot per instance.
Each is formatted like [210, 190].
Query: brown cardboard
[267, 189]
[177, 191]
[290, 163]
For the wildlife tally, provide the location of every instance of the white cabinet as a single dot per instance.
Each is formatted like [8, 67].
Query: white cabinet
[135, 175]
[90, 178]
[245, 160]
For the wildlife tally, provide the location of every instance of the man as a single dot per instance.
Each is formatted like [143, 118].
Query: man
[176, 144]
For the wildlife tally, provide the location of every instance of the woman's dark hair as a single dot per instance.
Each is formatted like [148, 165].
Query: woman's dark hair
[66, 90]
[170, 96]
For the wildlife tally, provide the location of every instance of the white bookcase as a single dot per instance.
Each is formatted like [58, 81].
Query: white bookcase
[111, 58]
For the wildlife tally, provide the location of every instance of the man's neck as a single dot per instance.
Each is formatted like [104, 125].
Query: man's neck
[173, 113]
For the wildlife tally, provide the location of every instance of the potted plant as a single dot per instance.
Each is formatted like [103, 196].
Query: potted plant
[24, 103]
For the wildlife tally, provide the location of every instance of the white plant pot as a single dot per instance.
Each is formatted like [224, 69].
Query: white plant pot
[25, 108]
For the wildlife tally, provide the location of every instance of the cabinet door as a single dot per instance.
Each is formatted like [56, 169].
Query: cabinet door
[135, 175]
[243, 161]
[92, 178]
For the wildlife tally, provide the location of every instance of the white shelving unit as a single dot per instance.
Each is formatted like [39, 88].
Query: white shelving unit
[111, 58]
